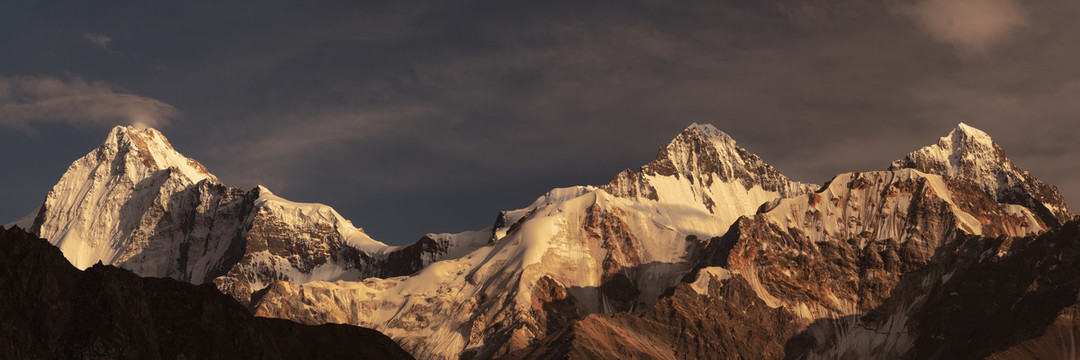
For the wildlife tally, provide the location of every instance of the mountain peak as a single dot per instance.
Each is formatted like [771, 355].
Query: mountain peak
[965, 151]
[968, 129]
[90, 213]
[970, 153]
[966, 140]
[702, 171]
[153, 150]
[707, 131]
[703, 152]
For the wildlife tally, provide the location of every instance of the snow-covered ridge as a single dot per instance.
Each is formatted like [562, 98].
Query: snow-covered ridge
[881, 205]
[298, 213]
[604, 249]
[571, 247]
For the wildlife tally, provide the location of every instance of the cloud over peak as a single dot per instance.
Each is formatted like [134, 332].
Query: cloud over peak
[28, 99]
[972, 26]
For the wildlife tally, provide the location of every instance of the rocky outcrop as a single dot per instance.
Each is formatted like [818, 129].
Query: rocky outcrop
[50, 309]
[727, 321]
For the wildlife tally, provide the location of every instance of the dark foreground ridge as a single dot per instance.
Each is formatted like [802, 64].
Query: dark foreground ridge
[49, 309]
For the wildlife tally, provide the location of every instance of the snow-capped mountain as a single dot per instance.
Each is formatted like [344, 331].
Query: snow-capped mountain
[108, 205]
[861, 268]
[970, 153]
[705, 252]
[702, 181]
[573, 252]
[137, 203]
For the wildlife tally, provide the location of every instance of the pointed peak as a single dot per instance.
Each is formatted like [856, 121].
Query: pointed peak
[262, 190]
[965, 128]
[970, 134]
[962, 150]
[707, 132]
[970, 153]
[153, 150]
[120, 135]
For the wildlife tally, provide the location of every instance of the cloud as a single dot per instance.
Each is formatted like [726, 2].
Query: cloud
[99, 40]
[103, 42]
[28, 99]
[256, 155]
[972, 26]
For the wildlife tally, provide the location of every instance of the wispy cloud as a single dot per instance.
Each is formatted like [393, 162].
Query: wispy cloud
[28, 99]
[280, 147]
[103, 42]
[99, 40]
[972, 26]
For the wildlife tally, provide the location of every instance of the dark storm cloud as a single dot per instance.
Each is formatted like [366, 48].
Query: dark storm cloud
[430, 116]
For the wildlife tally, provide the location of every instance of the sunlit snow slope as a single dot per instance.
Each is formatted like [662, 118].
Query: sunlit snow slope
[573, 252]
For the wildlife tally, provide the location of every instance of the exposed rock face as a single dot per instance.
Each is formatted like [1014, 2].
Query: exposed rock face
[969, 304]
[49, 309]
[726, 322]
[841, 250]
[969, 153]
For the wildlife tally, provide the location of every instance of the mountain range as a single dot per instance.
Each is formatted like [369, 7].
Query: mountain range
[707, 251]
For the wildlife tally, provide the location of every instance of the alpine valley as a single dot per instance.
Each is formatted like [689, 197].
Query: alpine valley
[706, 252]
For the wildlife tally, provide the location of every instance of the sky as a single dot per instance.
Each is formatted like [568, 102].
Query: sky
[415, 117]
